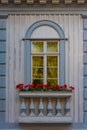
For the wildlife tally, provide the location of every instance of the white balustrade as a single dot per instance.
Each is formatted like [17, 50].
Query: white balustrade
[67, 108]
[46, 107]
[41, 107]
[58, 108]
[23, 108]
[32, 108]
[49, 107]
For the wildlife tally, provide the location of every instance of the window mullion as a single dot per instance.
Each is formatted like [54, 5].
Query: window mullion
[45, 62]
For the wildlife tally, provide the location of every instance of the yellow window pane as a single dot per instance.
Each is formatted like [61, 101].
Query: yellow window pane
[37, 73]
[37, 46]
[52, 60]
[52, 82]
[37, 61]
[52, 73]
[52, 46]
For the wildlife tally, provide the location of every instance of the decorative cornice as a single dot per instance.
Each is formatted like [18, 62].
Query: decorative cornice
[43, 1]
[43, 10]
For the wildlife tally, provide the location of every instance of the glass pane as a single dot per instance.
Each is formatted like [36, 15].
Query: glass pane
[52, 60]
[52, 82]
[52, 46]
[37, 46]
[51, 72]
[37, 61]
[37, 81]
[37, 73]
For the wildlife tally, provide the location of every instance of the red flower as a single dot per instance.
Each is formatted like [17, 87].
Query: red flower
[72, 88]
[64, 86]
[29, 86]
[20, 86]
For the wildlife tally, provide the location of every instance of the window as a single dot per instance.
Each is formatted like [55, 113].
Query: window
[45, 62]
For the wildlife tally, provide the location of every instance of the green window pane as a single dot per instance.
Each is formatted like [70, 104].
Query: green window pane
[37, 61]
[37, 73]
[37, 47]
[52, 82]
[51, 72]
[52, 46]
[52, 60]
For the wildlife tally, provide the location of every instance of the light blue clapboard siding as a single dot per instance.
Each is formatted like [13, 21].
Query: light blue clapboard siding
[85, 46]
[85, 69]
[85, 81]
[2, 105]
[85, 35]
[2, 23]
[85, 24]
[85, 58]
[2, 46]
[85, 93]
[85, 117]
[2, 69]
[2, 117]
[2, 57]
[2, 81]
[2, 34]
[85, 105]
[2, 93]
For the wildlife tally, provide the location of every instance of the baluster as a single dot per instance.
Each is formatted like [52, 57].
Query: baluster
[67, 108]
[58, 108]
[41, 107]
[49, 107]
[23, 108]
[32, 108]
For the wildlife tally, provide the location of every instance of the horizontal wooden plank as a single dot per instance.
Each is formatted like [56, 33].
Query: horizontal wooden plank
[2, 58]
[2, 23]
[2, 69]
[85, 70]
[2, 117]
[85, 105]
[2, 46]
[2, 81]
[85, 46]
[2, 34]
[2, 105]
[85, 93]
[2, 93]
[85, 58]
[85, 23]
[85, 81]
[85, 35]
[85, 117]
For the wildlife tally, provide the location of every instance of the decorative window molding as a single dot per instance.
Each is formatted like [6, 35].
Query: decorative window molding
[27, 49]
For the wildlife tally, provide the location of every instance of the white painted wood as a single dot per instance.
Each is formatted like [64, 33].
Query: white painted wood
[55, 1]
[44, 32]
[17, 1]
[30, 1]
[10, 65]
[45, 120]
[80, 1]
[4, 1]
[45, 94]
[75, 78]
[80, 69]
[68, 1]
[17, 26]
[43, 1]
[50, 96]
